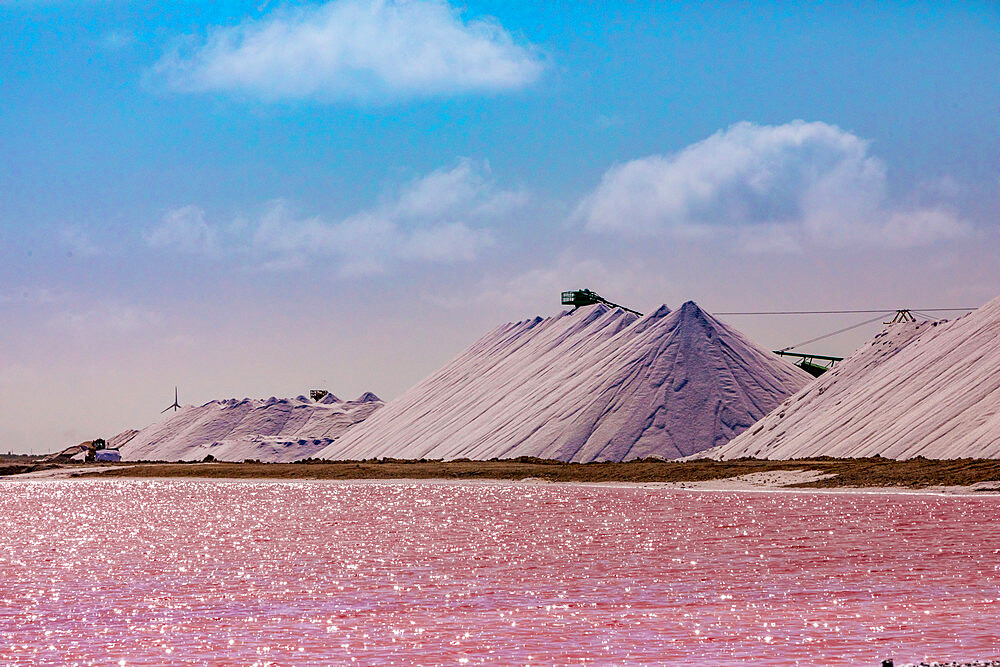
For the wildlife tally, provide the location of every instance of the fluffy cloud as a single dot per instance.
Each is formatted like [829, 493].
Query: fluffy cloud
[442, 217]
[356, 50]
[776, 187]
[185, 229]
[30, 296]
[78, 242]
[536, 289]
[107, 317]
[922, 226]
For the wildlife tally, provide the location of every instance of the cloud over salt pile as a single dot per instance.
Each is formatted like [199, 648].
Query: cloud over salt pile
[922, 389]
[591, 384]
[272, 430]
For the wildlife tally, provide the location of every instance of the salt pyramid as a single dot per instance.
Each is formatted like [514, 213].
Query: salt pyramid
[272, 430]
[930, 389]
[591, 384]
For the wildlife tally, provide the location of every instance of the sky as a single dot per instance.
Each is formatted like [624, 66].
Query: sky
[260, 198]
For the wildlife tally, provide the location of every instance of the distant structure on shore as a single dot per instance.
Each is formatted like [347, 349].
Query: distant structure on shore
[89, 450]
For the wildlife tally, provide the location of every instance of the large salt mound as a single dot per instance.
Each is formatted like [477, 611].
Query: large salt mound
[929, 389]
[592, 384]
[272, 430]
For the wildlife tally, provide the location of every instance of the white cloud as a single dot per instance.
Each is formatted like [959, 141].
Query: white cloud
[917, 227]
[445, 243]
[78, 242]
[442, 217]
[117, 40]
[354, 50]
[185, 229]
[794, 184]
[537, 288]
[76, 314]
[31, 296]
[432, 219]
[108, 317]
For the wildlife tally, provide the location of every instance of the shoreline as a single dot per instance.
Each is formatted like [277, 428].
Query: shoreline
[696, 487]
[939, 477]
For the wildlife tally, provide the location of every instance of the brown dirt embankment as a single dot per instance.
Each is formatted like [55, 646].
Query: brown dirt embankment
[18, 464]
[869, 472]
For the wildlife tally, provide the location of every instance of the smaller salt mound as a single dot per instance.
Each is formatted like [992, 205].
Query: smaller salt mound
[272, 430]
[928, 389]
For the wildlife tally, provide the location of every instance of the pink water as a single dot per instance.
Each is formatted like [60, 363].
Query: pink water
[152, 572]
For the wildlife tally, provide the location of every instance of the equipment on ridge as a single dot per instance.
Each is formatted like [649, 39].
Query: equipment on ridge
[807, 362]
[902, 315]
[585, 297]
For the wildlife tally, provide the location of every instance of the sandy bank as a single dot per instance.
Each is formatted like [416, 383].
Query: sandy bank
[63, 472]
[949, 476]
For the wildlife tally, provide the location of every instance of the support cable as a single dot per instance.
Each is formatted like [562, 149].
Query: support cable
[838, 331]
[929, 318]
[839, 312]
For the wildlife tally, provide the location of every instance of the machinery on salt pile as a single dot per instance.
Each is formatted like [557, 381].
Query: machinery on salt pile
[87, 451]
[814, 364]
[586, 297]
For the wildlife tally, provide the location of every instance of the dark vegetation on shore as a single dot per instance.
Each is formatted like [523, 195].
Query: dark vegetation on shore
[16, 464]
[868, 472]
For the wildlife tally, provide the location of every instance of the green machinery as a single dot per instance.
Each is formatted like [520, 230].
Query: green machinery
[812, 363]
[808, 362]
[586, 297]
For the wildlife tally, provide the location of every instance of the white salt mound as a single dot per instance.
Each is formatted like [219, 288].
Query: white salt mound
[592, 384]
[121, 438]
[928, 389]
[272, 430]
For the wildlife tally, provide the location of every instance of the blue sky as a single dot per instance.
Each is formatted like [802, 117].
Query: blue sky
[254, 198]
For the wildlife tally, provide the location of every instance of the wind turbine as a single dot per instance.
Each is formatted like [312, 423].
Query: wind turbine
[176, 406]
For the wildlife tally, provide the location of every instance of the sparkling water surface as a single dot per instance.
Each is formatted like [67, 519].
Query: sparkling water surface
[289, 573]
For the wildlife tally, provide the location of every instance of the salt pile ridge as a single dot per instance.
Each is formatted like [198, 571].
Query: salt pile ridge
[272, 430]
[927, 389]
[592, 384]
